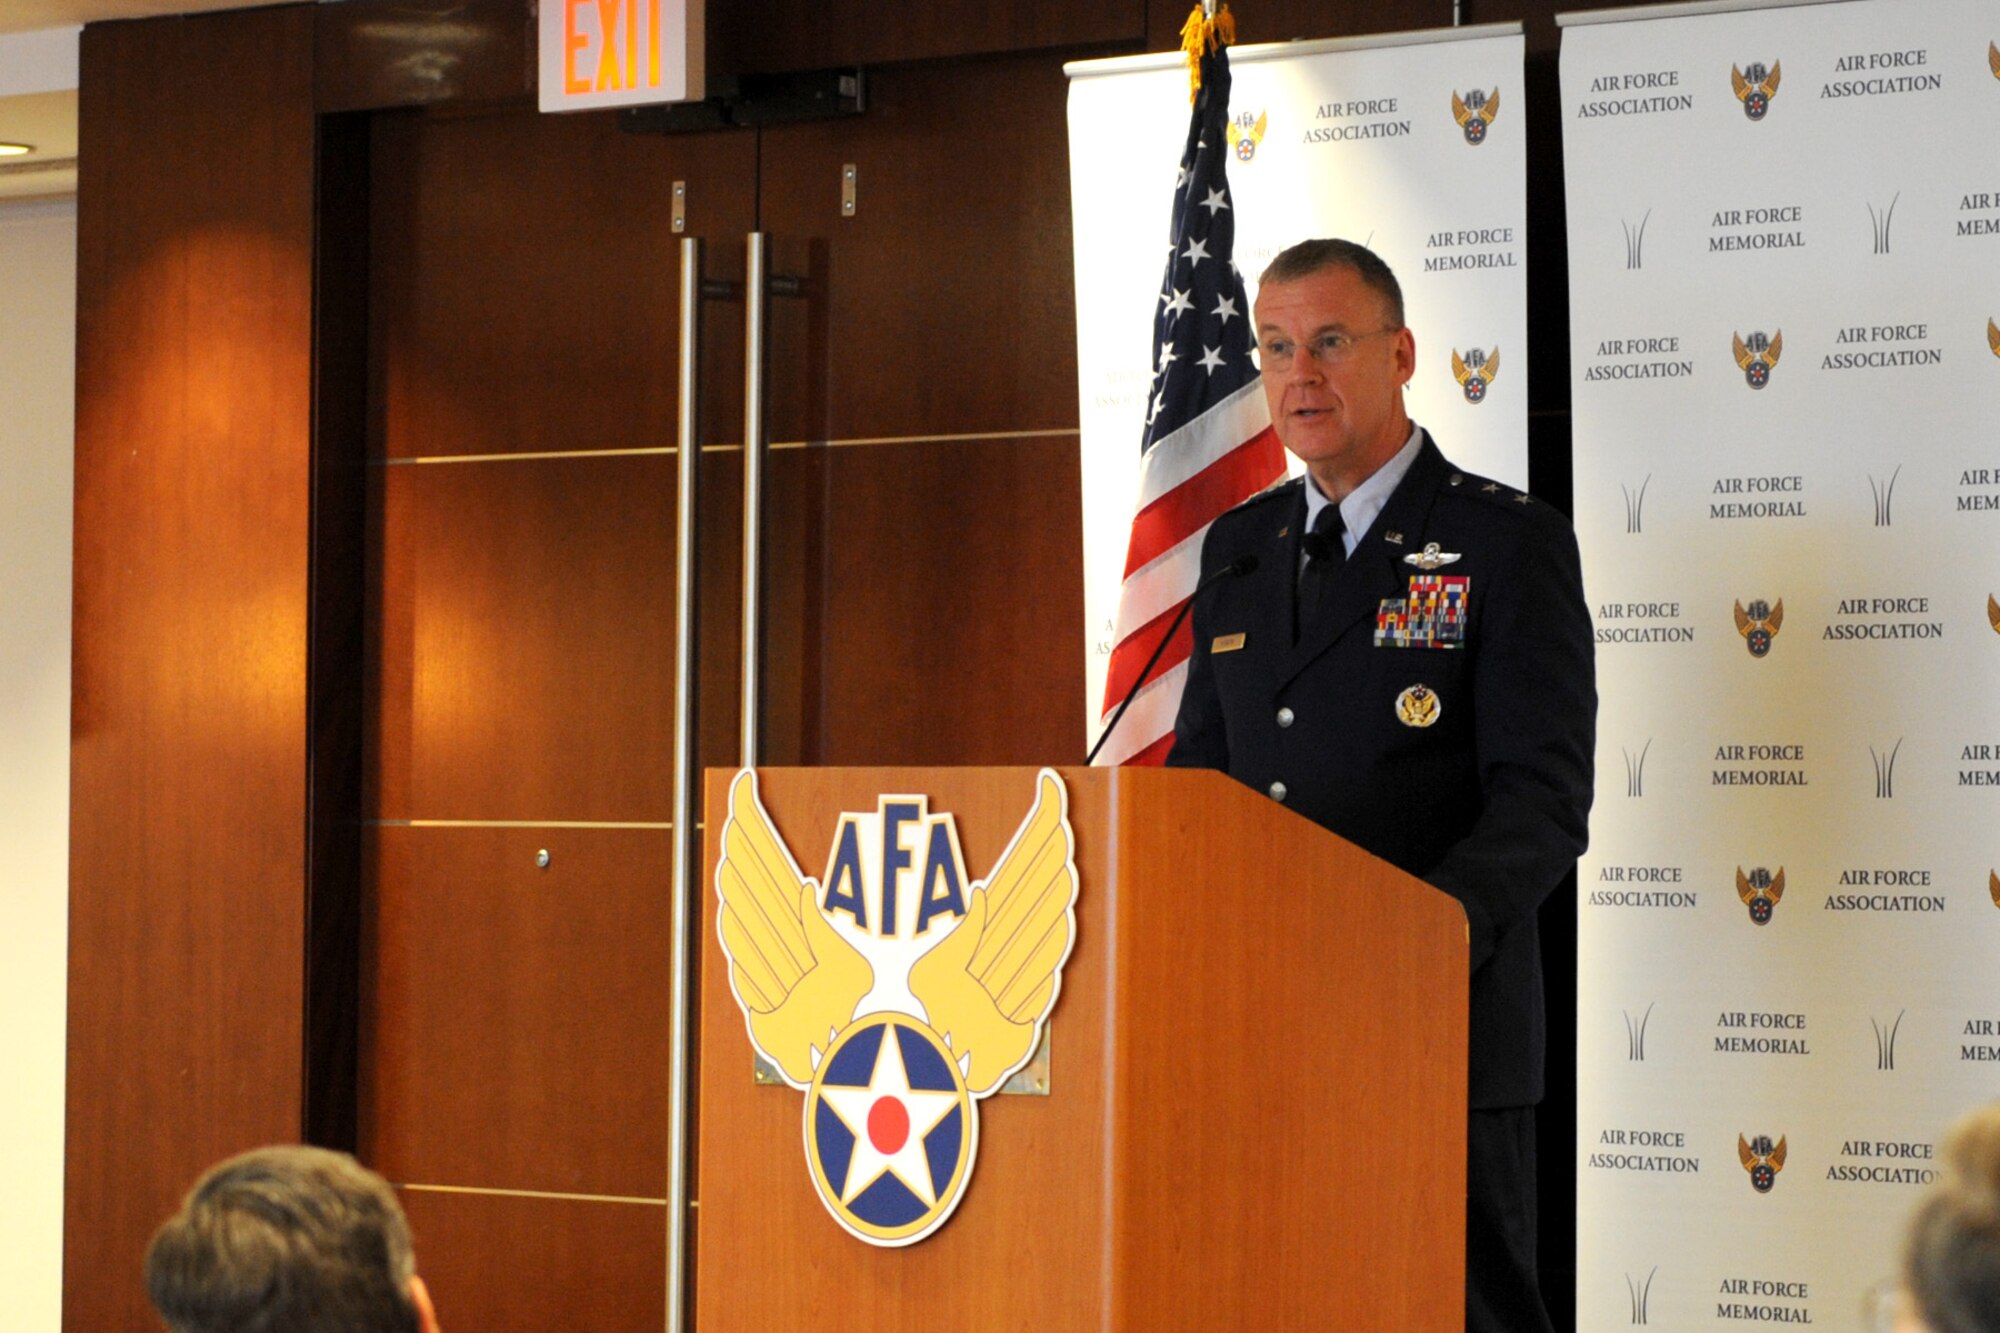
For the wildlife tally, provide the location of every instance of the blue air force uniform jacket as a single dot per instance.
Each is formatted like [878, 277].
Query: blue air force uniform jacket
[1443, 719]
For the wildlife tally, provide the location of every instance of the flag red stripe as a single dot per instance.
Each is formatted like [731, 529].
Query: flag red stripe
[1153, 755]
[1128, 658]
[1222, 485]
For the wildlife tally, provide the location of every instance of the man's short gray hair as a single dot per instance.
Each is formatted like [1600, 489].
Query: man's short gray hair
[291, 1239]
[1310, 257]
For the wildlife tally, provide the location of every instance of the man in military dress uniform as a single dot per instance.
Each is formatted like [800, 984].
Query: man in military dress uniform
[1408, 664]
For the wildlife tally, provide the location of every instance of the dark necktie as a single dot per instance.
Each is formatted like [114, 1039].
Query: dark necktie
[1325, 552]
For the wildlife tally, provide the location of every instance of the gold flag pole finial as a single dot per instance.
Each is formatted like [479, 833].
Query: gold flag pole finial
[1209, 27]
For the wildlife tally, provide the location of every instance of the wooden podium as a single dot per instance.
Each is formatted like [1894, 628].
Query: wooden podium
[1256, 1115]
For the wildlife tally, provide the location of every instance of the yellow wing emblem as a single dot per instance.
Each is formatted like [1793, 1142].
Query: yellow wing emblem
[1993, 336]
[1490, 108]
[988, 985]
[1490, 367]
[1993, 59]
[1749, 1156]
[1772, 350]
[1255, 134]
[1743, 87]
[1993, 613]
[799, 981]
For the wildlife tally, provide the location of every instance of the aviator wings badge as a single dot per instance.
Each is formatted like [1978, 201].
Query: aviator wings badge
[895, 992]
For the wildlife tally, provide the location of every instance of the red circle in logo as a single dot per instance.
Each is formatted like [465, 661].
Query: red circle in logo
[888, 1125]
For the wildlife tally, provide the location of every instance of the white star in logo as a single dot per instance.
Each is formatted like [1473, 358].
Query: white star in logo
[1211, 359]
[1179, 303]
[1214, 201]
[1225, 307]
[1167, 356]
[1181, 179]
[889, 1120]
[1196, 251]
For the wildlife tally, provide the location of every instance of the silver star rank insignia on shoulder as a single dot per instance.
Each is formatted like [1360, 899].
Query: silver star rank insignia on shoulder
[1431, 557]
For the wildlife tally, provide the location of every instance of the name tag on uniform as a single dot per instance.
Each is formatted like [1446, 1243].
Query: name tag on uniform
[1431, 615]
[1226, 643]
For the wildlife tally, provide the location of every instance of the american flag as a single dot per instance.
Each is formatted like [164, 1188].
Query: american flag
[1208, 444]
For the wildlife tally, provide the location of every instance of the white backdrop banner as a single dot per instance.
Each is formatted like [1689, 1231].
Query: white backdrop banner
[1784, 242]
[1354, 138]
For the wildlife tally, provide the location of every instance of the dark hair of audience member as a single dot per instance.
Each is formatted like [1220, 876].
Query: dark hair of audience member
[285, 1240]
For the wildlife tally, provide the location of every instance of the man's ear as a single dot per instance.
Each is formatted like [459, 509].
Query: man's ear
[420, 1296]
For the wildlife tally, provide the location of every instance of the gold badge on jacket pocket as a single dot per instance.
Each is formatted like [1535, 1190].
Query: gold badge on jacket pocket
[1418, 706]
[1226, 643]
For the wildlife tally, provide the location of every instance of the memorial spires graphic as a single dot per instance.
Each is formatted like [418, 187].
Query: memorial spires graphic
[1208, 443]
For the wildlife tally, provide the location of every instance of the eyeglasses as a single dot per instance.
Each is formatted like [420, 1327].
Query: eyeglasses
[1328, 349]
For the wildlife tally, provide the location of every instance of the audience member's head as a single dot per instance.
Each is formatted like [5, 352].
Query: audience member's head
[1951, 1268]
[288, 1240]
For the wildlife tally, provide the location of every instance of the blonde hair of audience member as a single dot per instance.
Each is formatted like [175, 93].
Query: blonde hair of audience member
[1951, 1263]
[291, 1239]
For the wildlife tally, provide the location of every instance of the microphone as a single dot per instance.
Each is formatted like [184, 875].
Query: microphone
[1242, 564]
[1319, 546]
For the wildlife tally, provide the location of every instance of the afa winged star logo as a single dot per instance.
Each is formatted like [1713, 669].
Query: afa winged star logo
[1761, 1160]
[1475, 372]
[1245, 134]
[1475, 113]
[1757, 355]
[896, 991]
[1755, 88]
[1761, 891]
[1759, 623]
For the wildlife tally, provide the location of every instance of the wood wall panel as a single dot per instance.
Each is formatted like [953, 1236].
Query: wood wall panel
[496, 1264]
[371, 54]
[521, 642]
[534, 601]
[952, 622]
[527, 280]
[188, 788]
[765, 36]
[950, 303]
[514, 1018]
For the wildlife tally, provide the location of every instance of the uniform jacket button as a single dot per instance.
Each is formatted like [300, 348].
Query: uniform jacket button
[1284, 717]
[1277, 791]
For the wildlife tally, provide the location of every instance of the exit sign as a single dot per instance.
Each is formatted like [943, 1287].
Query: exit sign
[597, 53]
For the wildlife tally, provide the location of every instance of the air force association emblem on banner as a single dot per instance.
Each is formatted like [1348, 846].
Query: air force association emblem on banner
[1761, 892]
[1756, 355]
[1759, 623]
[1475, 113]
[1755, 88]
[895, 992]
[1475, 372]
[1245, 133]
[1761, 1160]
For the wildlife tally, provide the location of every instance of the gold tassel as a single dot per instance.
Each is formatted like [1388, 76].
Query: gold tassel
[1201, 33]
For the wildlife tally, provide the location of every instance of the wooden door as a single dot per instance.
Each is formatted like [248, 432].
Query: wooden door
[524, 296]
[922, 597]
